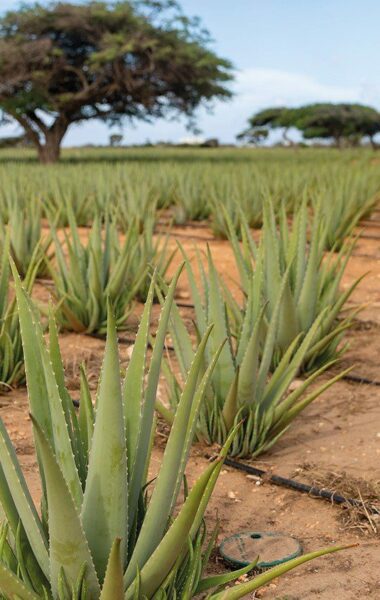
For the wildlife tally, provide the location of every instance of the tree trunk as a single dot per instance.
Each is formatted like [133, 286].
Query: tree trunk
[50, 151]
[47, 140]
[285, 137]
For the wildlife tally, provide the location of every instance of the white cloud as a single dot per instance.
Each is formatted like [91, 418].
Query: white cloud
[265, 87]
[259, 88]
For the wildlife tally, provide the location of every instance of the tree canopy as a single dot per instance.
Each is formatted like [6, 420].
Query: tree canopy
[344, 124]
[138, 59]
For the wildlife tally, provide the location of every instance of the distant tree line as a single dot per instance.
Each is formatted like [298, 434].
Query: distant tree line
[341, 124]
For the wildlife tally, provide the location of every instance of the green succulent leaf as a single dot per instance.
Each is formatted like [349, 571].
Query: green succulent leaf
[241, 590]
[113, 586]
[12, 587]
[106, 493]
[68, 547]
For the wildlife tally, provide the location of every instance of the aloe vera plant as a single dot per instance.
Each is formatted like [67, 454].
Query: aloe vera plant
[11, 353]
[345, 183]
[77, 192]
[244, 385]
[343, 201]
[98, 536]
[155, 253]
[236, 195]
[189, 197]
[148, 249]
[27, 243]
[313, 283]
[136, 203]
[103, 268]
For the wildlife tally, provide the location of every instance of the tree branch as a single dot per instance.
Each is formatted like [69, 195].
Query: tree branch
[37, 121]
[31, 133]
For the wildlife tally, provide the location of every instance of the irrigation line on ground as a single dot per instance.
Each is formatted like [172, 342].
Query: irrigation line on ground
[195, 237]
[297, 486]
[369, 237]
[127, 341]
[361, 255]
[361, 379]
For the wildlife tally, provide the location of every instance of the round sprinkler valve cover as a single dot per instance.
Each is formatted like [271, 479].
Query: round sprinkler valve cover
[272, 549]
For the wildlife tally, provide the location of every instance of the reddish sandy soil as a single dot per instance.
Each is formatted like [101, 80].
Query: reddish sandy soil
[340, 432]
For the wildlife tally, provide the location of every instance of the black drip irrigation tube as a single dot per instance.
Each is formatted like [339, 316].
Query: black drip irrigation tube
[184, 304]
[361, 379]
[201, 238]
[369, 237]
[298, 486]
[362, 255]
[126, 341]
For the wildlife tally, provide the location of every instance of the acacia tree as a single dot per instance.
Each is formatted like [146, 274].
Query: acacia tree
[277, 117]
[254, 135]
[64, 63]
[343, 124]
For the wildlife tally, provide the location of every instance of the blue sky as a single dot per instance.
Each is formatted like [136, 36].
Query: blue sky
[284, 51]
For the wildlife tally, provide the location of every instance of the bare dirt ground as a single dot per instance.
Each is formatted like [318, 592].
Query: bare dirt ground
[338, 433]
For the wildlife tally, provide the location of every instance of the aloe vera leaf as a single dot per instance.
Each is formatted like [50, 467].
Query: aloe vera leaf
[44, 383]
[113, 586]
[271, 337]
[21, 499]
[148, 401]
[231, 407]
[294, 410]
[106, 493]
[242, 590]
[166, 553]
[216, 580]
[86, 417]
[12, 587]
[224, 371]
[171, 471]
[67, 404]
[249, 366]
[133, 394]
[69, 548]
[37, 391]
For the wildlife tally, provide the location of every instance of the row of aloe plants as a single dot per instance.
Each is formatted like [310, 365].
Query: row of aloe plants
[289, 288]
[248, 383]
[87, 269]
[105, 266]
[296, 252]
[346, 187]
[101, 532]
[84, 273]
[290, 323]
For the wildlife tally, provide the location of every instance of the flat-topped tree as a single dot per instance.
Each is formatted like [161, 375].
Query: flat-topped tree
[276, 117]
[343, 124]
[65, 63]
